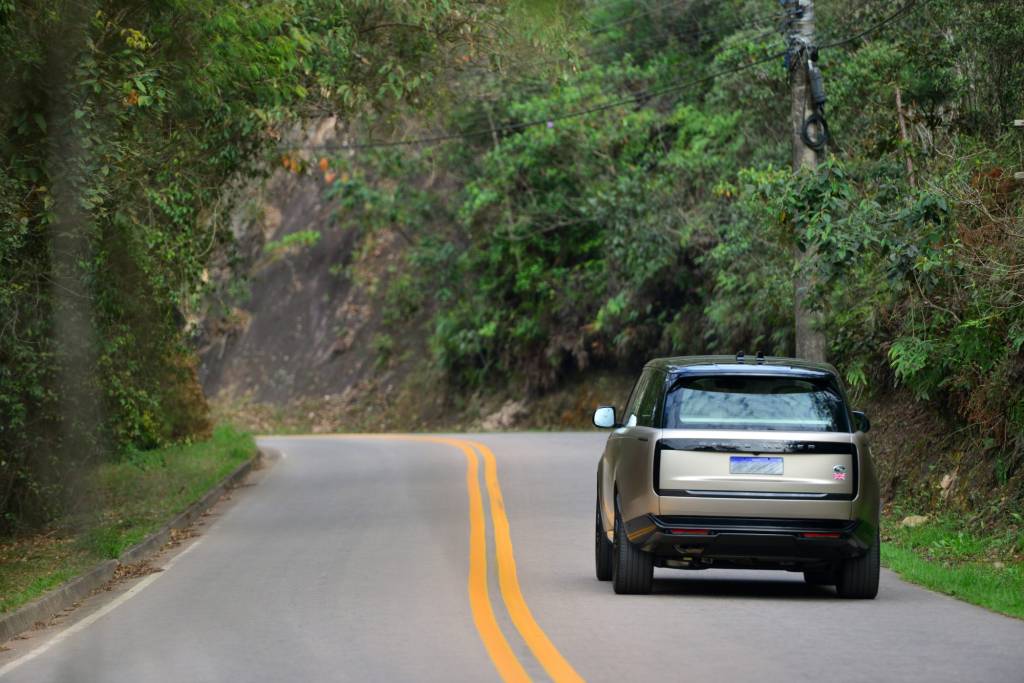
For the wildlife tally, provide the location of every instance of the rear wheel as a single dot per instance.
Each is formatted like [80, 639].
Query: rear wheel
[858, 578]
[632, 568]
[602, 550]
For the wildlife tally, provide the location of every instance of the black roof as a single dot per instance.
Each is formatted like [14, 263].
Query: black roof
[748, 365]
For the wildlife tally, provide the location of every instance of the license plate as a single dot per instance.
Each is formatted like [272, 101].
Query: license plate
[750, 465]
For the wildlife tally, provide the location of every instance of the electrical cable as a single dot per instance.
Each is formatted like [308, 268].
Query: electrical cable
[637, 15]
[541, 82]
[905, 9]
[604, 28]
[636, 98]
[817, 143]
[718, 32]
[814, 131]
[544, 82]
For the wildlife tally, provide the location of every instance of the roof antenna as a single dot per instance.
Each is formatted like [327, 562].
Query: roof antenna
[739, 357]
[760, 357]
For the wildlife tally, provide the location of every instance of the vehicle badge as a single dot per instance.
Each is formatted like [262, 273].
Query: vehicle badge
[839, 472]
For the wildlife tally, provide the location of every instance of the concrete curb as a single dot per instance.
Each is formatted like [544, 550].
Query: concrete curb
[77, 589]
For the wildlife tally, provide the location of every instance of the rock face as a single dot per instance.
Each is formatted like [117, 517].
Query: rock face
[506, 417]
[947, 484]
[304, 327]
[914, 520]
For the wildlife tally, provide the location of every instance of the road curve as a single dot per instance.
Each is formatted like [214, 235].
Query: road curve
[470, 559]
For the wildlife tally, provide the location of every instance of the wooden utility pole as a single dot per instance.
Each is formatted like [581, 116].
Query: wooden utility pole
[808, 127]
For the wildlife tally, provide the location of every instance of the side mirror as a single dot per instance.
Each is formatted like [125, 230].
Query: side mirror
[861, 422]
[604, 417]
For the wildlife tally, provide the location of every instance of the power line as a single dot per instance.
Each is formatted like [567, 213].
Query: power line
[540, 81]
[905, 9]
[654, 10]
[539, 84]
[633, 17]
[720, 31]
[636, 98]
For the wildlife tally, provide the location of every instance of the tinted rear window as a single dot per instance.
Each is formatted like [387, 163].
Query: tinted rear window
[755, 403]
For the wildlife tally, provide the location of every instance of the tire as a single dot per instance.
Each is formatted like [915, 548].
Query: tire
[632, 568]
[857, 579]
[820, 577]
[602, 550]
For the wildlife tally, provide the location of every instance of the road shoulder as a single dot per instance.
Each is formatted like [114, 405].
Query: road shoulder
[55, 606]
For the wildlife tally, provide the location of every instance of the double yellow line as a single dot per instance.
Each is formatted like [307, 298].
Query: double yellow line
[501, 653]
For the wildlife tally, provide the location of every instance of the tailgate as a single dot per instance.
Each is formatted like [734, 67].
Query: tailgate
[754, 468]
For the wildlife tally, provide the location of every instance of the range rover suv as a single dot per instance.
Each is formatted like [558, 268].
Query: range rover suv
[751, 463]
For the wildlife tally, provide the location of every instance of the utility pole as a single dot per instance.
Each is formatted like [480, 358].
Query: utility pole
[810, 133]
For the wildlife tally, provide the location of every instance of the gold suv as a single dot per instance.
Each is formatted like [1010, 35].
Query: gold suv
[748, 463]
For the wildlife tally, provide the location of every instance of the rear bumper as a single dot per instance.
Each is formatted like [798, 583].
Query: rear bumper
[748, 541]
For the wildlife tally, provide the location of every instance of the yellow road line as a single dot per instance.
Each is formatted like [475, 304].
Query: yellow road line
[510, 669]
[504, 659]
[543, 649]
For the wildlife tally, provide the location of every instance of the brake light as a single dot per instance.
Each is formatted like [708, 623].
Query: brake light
[690, 532]
[816, 534]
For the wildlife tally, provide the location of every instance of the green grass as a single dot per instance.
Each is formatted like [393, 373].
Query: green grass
[133, 497]
[29, 568]
[985, 569]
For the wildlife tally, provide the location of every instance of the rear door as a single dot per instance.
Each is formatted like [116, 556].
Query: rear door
[752, 465]
[756, 437]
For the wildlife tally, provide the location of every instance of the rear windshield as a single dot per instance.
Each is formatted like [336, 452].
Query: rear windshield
[755, 403]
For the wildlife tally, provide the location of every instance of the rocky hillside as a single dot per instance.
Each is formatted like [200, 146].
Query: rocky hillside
[293, 316]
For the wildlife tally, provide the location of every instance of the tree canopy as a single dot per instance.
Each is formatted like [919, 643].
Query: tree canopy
[121, 121]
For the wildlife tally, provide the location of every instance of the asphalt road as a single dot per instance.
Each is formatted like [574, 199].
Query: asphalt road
[363, 559]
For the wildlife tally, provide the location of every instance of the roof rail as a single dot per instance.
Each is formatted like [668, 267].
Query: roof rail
[760, 357]
[739, 357]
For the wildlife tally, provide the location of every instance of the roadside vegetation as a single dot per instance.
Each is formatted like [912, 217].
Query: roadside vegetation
[986, 569]
[132, 498]
[120, 124]
[668, 225]
[618, 188]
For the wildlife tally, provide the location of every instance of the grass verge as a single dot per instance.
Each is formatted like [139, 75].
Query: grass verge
[985, 569]
[131, 499]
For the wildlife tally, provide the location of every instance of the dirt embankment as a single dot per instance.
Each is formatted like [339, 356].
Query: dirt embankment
[293, 320]
[299, 337]
[929, 464]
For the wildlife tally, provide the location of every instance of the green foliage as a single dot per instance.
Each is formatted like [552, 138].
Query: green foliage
[669, 224]
[121, 123]
[383, 346]
[293, 241]
[673, 226]
[982, 568]
[144, 489]
[133, 498]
